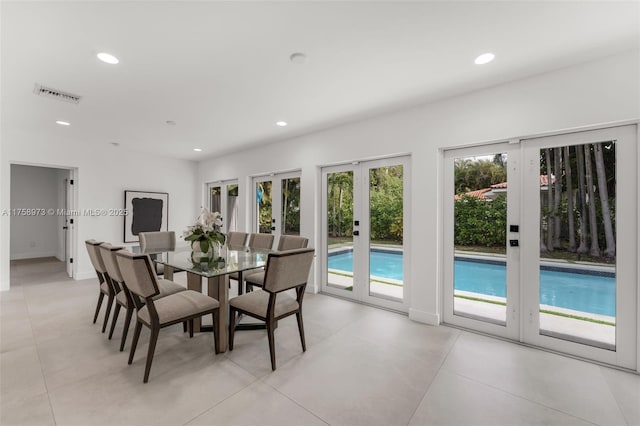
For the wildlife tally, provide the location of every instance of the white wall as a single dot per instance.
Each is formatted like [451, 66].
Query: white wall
[102, 173]
[597, 92]
[35, 236]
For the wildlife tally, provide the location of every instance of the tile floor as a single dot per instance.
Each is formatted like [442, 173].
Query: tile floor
[363, 366]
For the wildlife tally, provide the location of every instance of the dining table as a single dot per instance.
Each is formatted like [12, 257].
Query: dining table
[215, 273]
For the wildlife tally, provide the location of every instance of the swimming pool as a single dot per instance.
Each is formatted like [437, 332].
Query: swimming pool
[582, 292]
[384, 264]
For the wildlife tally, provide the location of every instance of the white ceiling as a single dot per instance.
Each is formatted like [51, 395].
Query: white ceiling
[221, 70]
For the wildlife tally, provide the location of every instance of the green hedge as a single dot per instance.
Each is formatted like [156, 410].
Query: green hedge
[481, 222]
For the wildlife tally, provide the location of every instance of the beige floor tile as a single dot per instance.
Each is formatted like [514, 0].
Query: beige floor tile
[347, 380]
[34, 411]
[625, 388]
[172, 397]
[457, 401]
[257, 404]
[21, 375]
[572, 386]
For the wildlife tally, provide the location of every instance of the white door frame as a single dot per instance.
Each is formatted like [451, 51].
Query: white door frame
[224, 208]
[276, 198]
[625, 354]
[361, 276]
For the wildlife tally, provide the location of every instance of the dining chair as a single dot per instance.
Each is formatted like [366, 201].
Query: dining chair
[286, 242]
[256, 241]
[284, 271]
[138, 274]
[236, 239]
[106, 286]
[157, 241]
[123, 295]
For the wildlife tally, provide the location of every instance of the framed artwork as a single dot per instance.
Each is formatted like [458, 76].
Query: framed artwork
[148, 211]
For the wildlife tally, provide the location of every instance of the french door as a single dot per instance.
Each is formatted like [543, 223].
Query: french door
[223, 198]
[540, 242]
[277, 204]
[365, 229]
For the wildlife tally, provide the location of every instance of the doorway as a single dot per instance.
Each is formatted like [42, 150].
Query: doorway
[364, 228]
[532, 248]
[277, 204]
[42, 216]
[223, 198]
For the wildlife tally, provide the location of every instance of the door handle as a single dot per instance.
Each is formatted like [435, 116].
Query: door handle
[273, 228]
[356, 233]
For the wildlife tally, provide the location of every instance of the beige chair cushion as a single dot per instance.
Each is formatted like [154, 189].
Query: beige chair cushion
[179, 305]
[257, 303]
[104, 287]
[256, 278]
[122, 299]
[167, 288]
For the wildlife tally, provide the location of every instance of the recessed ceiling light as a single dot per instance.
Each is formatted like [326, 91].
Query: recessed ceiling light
[197, 149]
[114, 143]
[298, 58]
[281, 123]
[170, 122]
[485, 58]
[108, 58]
[63, 123]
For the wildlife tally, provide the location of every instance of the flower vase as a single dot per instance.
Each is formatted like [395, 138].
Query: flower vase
[198, 256]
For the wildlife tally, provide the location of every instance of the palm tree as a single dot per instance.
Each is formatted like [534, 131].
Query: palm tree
[557, 166]
[595, 247]
[582, 196]
[567, 172]
[610, 250]
[550, 218]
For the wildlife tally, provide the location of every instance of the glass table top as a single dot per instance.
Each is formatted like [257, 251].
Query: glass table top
[230, 259]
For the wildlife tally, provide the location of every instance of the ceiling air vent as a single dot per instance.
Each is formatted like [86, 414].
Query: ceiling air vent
[56, 94]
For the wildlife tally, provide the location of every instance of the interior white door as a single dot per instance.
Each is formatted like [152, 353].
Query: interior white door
[223, 198]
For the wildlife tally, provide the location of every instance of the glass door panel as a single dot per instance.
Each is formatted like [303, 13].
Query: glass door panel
[577, 276]
[481, 272]
[263, 207]
[386, 232]
[339, 229]
[290, 217]
[223, 198]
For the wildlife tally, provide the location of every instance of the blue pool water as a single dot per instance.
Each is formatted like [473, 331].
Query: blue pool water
[580, 292]
[382, 264]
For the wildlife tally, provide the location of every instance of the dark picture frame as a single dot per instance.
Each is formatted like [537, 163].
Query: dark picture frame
[147, 212]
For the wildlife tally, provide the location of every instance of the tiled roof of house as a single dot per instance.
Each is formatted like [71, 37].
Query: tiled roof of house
[479, 194]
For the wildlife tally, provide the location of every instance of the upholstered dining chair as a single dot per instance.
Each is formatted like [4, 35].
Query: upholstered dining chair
[286, 242]
[106, 287]
[157, 241]
[256, 241]
[123, 295]
[138, 274]
[236, 239]
[284, 271]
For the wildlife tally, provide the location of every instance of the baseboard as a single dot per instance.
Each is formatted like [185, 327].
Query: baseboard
[424, 317]
[85, 275]
[22, 256]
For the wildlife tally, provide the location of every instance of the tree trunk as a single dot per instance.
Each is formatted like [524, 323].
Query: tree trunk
[567, 168]
[550, 221]
[557, 217]
[610, 250]
[340, 212]
[285, 207]
[582, 197]
[595, 247]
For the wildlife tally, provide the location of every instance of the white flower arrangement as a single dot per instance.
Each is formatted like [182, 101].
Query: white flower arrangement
[206, 230]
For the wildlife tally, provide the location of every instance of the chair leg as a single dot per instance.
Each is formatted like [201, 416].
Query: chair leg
[116, 311]
[136, 336]
[272, 347]
[301, 330]
[184, 326]
[190, 327]
[106, 314]
[152, 348]
[215, 318]
[232, 326]
[100, 297]
[127, 322]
